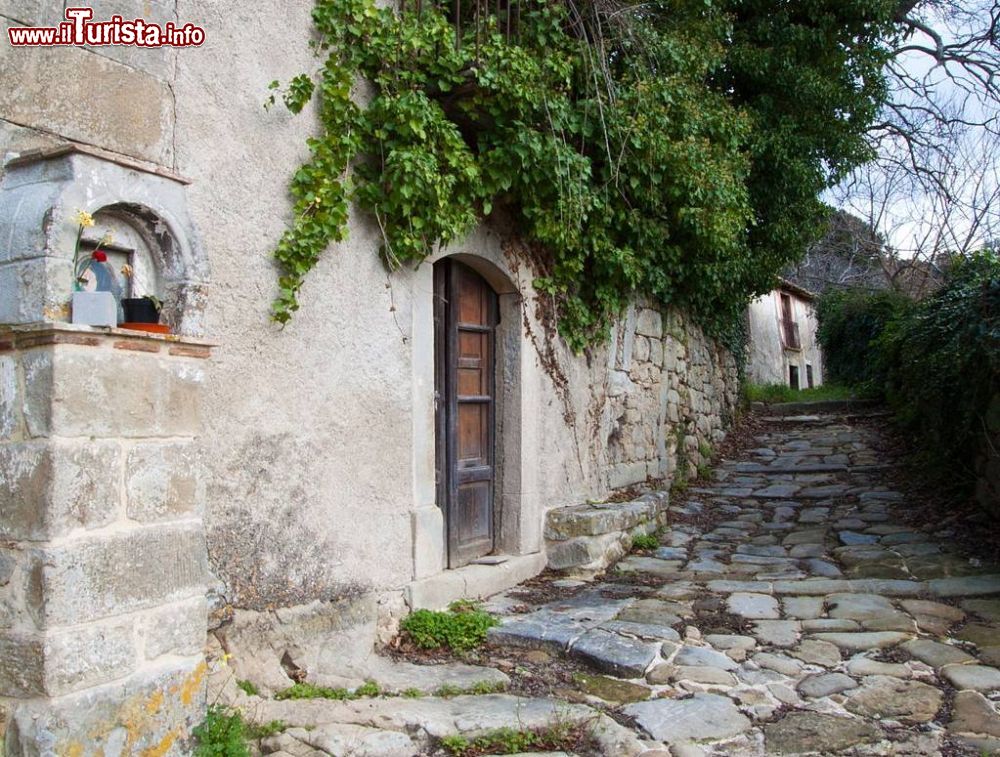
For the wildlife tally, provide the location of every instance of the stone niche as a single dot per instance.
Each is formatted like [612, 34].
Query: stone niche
[144, 209]
[103, 567]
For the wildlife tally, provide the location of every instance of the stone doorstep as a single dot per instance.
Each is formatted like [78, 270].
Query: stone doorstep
[587, 538]
[473, 581]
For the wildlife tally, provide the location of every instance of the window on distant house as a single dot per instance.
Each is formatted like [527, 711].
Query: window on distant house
[789, 328]
[809, 376]
[793, 376]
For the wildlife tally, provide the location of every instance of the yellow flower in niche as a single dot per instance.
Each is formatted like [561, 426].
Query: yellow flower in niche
[83, 218]
[126, 270]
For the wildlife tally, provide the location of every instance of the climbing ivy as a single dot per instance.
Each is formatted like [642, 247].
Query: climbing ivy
[673, 149]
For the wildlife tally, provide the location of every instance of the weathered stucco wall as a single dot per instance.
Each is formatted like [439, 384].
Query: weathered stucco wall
[316, 445]
[768, 360]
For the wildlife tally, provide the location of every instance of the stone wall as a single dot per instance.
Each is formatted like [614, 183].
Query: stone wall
[667, 399]
[671, 394]
[102, 566]
[317, 446]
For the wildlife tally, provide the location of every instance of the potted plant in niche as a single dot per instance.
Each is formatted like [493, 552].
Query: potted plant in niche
[142, 312]
[93, 300]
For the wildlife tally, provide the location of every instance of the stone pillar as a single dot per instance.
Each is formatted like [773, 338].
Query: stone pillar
[102, 555]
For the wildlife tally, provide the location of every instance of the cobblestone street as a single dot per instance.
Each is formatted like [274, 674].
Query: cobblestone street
[791, 608]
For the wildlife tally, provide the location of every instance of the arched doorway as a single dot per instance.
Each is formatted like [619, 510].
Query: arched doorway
[465, 321]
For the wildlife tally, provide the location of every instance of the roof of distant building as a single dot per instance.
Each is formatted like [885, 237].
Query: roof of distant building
[795, 289]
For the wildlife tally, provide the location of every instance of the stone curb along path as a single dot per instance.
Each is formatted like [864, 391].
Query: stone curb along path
[789, 610]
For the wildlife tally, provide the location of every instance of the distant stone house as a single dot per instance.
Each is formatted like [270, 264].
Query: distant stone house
[783, 348]
[404, 442]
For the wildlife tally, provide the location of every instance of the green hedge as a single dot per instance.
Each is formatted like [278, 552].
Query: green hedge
[937, 361]
[850, 322]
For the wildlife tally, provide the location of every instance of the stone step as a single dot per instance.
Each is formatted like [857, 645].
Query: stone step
[956, 586]
[818, 407]
[588, 538]
[398, 726]
[599, 518]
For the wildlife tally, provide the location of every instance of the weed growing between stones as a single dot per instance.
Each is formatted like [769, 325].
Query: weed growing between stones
[479, 689]
[461, 628]
[255, 732]
[224, 733]
[248, 688]
[370, 689]
[645, 542]
[568, 737]
[312, 691]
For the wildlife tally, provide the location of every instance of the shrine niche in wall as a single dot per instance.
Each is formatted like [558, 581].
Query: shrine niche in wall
[138, 242]
[130, 262]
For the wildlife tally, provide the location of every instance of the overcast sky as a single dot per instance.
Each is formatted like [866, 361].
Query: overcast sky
[968, 214]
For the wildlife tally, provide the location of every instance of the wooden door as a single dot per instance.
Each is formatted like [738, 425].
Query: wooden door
[465, 317]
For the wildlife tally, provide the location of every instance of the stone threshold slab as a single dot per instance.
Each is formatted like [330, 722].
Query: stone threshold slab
[473, 581]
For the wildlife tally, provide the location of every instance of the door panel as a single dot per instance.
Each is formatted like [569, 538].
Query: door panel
[465, 324]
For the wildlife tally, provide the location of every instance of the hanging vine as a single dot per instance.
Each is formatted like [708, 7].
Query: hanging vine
[649, 149]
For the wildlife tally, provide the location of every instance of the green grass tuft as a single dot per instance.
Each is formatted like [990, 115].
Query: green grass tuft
[367, 689]
[255, 732]
[221, 734]
[461, 628]
[558, 737]
[248, 688]
[312, 691]
[645, 542]
[772, 393]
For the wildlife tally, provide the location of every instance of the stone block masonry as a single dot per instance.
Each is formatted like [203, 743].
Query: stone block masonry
[671, 392]
[588, 538]
[103, 564]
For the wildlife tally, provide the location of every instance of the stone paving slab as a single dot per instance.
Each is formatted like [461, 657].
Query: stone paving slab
[615, 654]
[703, 717]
